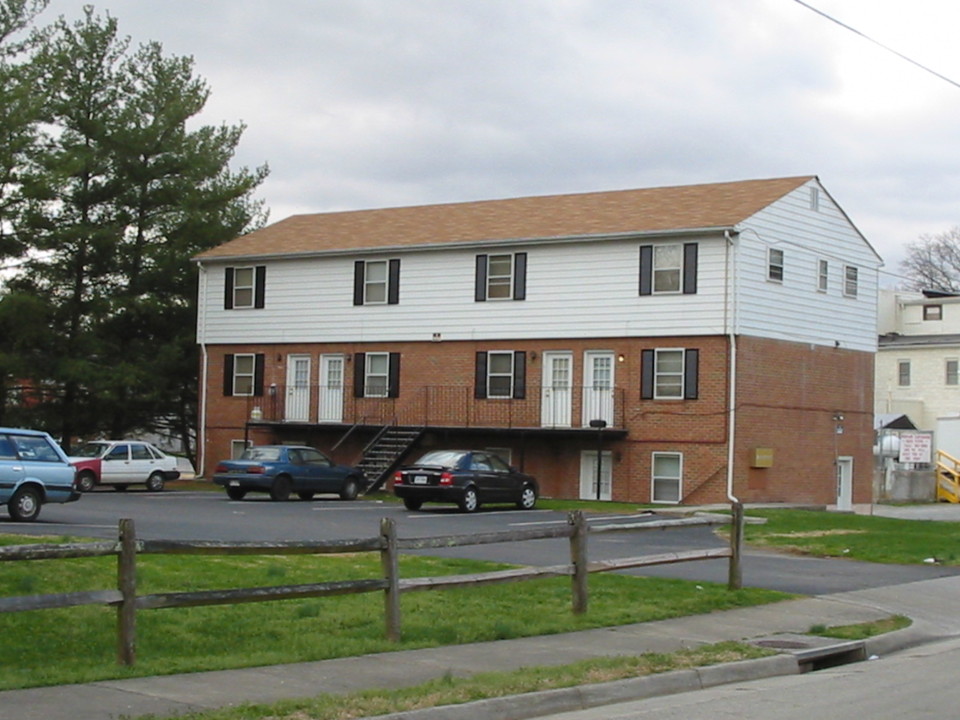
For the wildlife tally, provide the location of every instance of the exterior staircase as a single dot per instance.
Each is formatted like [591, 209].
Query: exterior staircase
[383, 453]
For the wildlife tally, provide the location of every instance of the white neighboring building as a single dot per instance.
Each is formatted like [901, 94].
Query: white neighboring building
[918, 356]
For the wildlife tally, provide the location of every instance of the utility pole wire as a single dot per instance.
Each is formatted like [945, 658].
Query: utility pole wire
[877, 43]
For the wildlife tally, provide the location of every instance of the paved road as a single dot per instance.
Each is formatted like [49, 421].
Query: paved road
[919, 684]
[210, 516]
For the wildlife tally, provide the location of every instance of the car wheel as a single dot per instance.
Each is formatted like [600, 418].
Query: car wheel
[86, 481]
[280, 491]
[24, 506]
[235, 493]
[528, 498]
[470, 502]
[350, 489]
[155, 482]
[305, 495]
[411, 504]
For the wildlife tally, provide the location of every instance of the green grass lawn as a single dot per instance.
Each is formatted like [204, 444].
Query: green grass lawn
[858, 537]
[78, 644]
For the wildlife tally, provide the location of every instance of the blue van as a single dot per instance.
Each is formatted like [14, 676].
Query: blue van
[33, 471]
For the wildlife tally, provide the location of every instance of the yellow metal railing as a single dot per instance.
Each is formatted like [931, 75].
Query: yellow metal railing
[948, 478]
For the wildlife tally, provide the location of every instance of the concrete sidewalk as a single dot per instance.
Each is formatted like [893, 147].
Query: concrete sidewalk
[926, 602]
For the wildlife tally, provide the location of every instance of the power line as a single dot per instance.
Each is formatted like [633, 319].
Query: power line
[877, 43]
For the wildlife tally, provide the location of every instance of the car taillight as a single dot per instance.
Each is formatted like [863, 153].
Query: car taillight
[446, 478]
[256, 470]
[398, 478]
[221, 468]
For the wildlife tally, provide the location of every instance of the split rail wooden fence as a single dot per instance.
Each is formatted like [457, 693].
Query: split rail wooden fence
[127, 602]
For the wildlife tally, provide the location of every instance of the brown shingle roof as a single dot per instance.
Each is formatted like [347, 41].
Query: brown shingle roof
[648, 210]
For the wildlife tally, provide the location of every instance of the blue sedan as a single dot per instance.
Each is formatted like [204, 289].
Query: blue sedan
[284, 469]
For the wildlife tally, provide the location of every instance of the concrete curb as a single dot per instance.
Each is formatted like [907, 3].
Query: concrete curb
[582, 697]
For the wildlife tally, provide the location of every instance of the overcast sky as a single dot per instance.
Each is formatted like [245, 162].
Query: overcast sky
[376, 103]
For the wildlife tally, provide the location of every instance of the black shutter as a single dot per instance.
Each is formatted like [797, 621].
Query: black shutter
[480, 289]
[393, 282]
[691, 373]
[646, 374]
[228, 375]
[519, 375]
[690, 268]
[260, 285]
[520, 276]
[228, 289]
[258, 363]
[393, 383]
[646, 269]
[359, 373]
[480, 376]
[358, 272]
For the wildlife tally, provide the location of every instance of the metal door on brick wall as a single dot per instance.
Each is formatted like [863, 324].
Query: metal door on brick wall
[598, 369]
[298, 389]
[556, 393]
[331, 388]
[844, 483]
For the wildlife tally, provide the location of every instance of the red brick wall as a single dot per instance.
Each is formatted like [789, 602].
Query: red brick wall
[787, 392]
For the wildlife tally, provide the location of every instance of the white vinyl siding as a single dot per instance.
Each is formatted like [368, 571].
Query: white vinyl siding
[578, 289]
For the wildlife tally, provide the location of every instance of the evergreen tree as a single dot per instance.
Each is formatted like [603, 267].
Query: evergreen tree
[121, 198]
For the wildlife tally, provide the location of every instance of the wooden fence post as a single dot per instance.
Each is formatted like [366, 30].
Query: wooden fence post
[735, 578]
[578, 558]
[127, 585]
[390, 562]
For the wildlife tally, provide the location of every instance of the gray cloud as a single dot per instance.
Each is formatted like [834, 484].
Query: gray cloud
[367, 103]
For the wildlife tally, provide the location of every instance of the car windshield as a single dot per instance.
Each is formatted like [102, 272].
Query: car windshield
[443, 458]
[91, 450]
[261, 453]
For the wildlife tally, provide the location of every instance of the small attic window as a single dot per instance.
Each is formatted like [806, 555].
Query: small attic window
[815, 199]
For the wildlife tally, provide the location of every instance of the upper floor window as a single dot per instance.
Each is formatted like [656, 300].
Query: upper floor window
[668, 268]
[903, 373]
[775, 265]
[933, 312]
[243, 374]
[952, 367]
[500, 374]
[501, 277]
[244, 287]
[823, 275]
[851, 280]
[376, 282]
[670, 374]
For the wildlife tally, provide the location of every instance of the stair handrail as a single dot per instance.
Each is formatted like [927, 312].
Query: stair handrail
[348, 433]
[948, 478]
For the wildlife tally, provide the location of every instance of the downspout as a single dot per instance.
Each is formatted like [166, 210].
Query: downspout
[202, 341]
[731, 286]
[735, 570]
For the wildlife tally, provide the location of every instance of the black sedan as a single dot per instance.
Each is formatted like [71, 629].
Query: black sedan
[468, 478]
[282, 469]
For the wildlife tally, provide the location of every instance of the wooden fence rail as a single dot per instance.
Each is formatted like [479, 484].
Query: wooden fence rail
[128, 602]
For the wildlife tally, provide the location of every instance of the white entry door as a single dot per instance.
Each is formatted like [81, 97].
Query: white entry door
[845, 483]
[298, 389]
[588, 475]
[331, 388]
[598, 386]
[556, 391]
